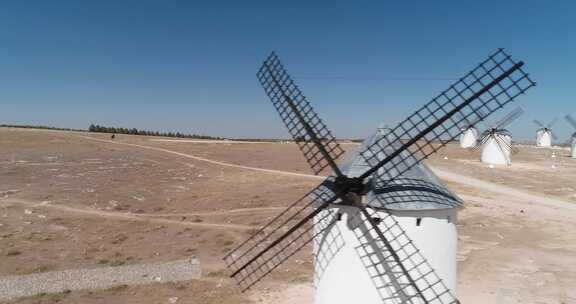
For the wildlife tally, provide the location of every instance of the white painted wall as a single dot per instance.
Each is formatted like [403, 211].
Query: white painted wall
[346, 280]
[543, 138]
[573, 146]
[494, 154]
[469, 138]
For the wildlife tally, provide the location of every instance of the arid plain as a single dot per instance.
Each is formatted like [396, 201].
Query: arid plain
[73, 200]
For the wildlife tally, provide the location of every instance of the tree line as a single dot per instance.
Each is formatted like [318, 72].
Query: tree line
[134, 131]
[39, 127]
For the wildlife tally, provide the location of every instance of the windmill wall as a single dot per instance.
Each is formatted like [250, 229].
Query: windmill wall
[469, 138]
[573, 150]
[417, 213]
[496, 153]
[345, 271]
[543, 138]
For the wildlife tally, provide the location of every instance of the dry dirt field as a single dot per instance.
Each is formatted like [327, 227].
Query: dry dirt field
[81, 201]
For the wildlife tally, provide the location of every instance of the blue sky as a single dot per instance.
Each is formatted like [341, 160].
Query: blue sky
[190, 66]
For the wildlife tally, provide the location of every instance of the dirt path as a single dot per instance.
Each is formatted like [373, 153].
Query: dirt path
[208, 213]
[225, 164]
[530, 198]
[122, 216]
[212, 141]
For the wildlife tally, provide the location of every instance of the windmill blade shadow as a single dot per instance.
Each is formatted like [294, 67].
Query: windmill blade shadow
[389, 281]
[387, 277]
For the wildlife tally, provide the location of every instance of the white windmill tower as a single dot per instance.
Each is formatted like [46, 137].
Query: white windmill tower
[415, 209]
[544, 134]
[382, 225]
[497, 141]
[572, 122]
[469, 137]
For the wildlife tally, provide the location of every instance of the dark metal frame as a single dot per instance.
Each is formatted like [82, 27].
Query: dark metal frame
[311, 134]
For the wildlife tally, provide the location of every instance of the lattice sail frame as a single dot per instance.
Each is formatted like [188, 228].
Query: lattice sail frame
[487, 88]
[511, 81]
[314, 201]
[571, 121]
[305, 126]
[508, 119]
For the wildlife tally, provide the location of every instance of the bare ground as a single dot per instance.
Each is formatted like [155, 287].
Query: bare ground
[75, 200]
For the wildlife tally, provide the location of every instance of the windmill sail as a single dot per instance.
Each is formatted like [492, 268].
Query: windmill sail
[490, 86]
[493, 84]
[549, 128]
[571, 121]
[274, 243]
[508, 119]
[312, 136]
[552, 123]
[537, 122]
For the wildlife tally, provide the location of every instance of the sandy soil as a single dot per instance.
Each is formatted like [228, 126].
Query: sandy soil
[75, 200]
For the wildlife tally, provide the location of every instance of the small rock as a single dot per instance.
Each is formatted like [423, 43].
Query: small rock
[27, 211]
[173, 300]
[139, 198]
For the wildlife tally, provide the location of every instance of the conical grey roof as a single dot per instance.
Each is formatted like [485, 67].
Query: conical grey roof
[416, 189]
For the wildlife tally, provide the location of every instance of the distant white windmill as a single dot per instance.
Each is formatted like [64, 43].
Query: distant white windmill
[544, 135]
[572, 122]
[469, 137]
[497, 141]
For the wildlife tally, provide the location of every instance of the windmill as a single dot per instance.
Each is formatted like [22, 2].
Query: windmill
[470, 135]
[544, 135]
[469, 138]
[391, 260]
[572, 122]
[496, 142]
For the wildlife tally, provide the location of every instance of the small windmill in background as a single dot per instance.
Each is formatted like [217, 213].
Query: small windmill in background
[496, 143]
[544, 134]
[384, 257]
[572, 122]
[470, 135]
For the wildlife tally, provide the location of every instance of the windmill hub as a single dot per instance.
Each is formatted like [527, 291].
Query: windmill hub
[344, 184]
